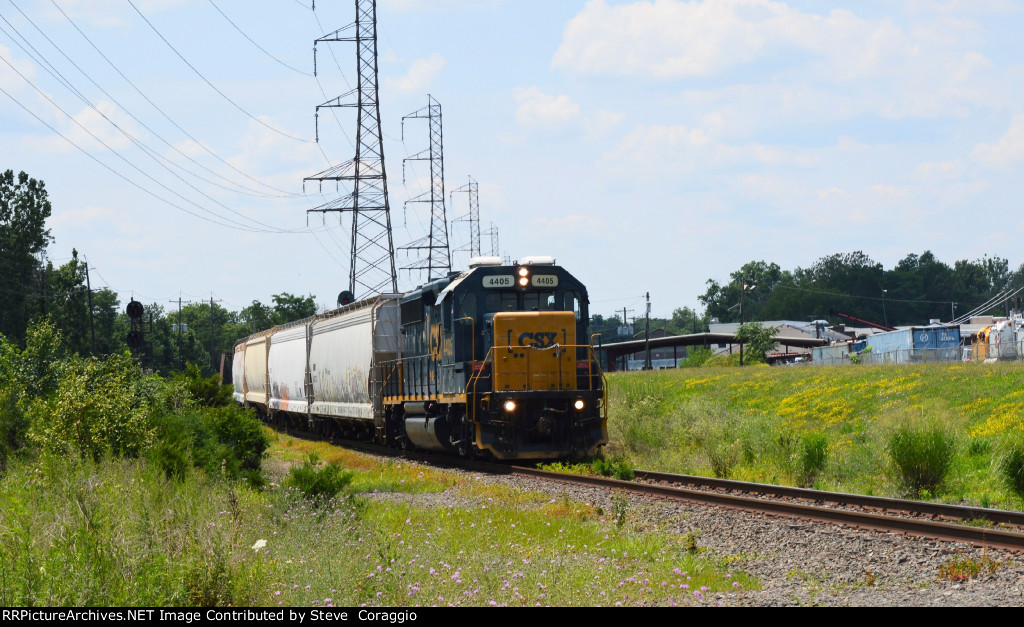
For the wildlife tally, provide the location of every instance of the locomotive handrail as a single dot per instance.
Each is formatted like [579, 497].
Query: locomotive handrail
[489, 358]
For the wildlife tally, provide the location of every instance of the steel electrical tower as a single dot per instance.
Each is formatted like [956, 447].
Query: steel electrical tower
[438, 260]
[493, 232]
[472, 188]
[372, 264]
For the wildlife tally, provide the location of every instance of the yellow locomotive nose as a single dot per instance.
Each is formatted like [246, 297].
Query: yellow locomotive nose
[531, 350]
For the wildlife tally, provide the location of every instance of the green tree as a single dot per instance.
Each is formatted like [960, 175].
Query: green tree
[685, 321]
[69, 304]
[721, 300]
[106, 308]
[758, 341]
[24, 208]
[289, 308]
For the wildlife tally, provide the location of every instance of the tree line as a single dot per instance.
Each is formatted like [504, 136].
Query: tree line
[919, 288]
[93, 321]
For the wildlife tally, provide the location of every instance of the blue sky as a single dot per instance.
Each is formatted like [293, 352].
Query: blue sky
[648, 146]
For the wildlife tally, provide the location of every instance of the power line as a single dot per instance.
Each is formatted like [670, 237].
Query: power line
[286, 194]
[112, 170]
[61, 78]
[212, 86]
[877, 298]
[253, 42]
[149, 152]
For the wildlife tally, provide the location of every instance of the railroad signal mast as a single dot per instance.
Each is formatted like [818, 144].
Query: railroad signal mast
[372, 253]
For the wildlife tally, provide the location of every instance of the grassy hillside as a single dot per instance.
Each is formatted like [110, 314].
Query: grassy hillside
[839, 428]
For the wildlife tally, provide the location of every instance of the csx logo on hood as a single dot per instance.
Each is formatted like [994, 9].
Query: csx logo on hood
[537, 340]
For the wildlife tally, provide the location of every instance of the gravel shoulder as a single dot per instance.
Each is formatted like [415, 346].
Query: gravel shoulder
[801, 563]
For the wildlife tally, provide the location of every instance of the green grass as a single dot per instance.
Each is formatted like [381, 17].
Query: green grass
[79, 532]
[824, 426]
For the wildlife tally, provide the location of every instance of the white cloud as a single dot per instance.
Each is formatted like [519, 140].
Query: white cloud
[91, 131]
[576, 224]
[421, 73]
[107, 13]
[937, 171]
[85, 217]
[670, 39]
[401, 6]
[9, 78]
[673, 148]
[268, 155]
[601, 123]
[1008, 149]
[539, 109]
[931, 65]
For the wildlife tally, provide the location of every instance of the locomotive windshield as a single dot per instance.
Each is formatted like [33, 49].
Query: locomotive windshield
[494, 302]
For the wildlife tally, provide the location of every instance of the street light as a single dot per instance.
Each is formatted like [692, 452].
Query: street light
[884, 314]
[746, 288]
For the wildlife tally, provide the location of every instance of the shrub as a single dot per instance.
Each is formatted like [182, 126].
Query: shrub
[207, 391]
[1010, 463]
[39, 365]
[95, 410]
[316, 482]
[723, 361]
[922, 456]
[220, 440]
[616, 467]
[696, 358]
[723, 457]
[812, 456]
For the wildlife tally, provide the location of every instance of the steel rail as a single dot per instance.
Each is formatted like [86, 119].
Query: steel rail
[981, 536]
[947, 510]
[948, 532]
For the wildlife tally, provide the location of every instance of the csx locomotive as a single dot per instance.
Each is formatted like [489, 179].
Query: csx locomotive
[491, 362]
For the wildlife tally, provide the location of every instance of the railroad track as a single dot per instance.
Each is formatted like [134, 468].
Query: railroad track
[915, 518]
[999, 529]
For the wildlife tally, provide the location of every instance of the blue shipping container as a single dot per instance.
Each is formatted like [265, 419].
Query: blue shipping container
[916, 344]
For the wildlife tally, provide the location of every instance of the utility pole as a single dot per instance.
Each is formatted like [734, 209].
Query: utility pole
[372, 253]
[181, 363]
[213, 357]
[92, 316]
[647, 336]
[743, 290]
[438, 261]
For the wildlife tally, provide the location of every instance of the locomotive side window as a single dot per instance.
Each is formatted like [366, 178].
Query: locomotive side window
[572, 303]
[412, 311]
[446, 314]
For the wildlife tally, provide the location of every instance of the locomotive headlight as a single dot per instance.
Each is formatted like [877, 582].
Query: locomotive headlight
[524, 272]
[510, 406]
[578, 405]
[523, 282]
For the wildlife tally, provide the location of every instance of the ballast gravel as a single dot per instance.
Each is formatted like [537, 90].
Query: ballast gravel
[799, 562]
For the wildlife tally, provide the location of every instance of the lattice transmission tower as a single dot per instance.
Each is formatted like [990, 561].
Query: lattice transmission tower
[372, 256]
[438, 259]
[472, 189]
[493, 233]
